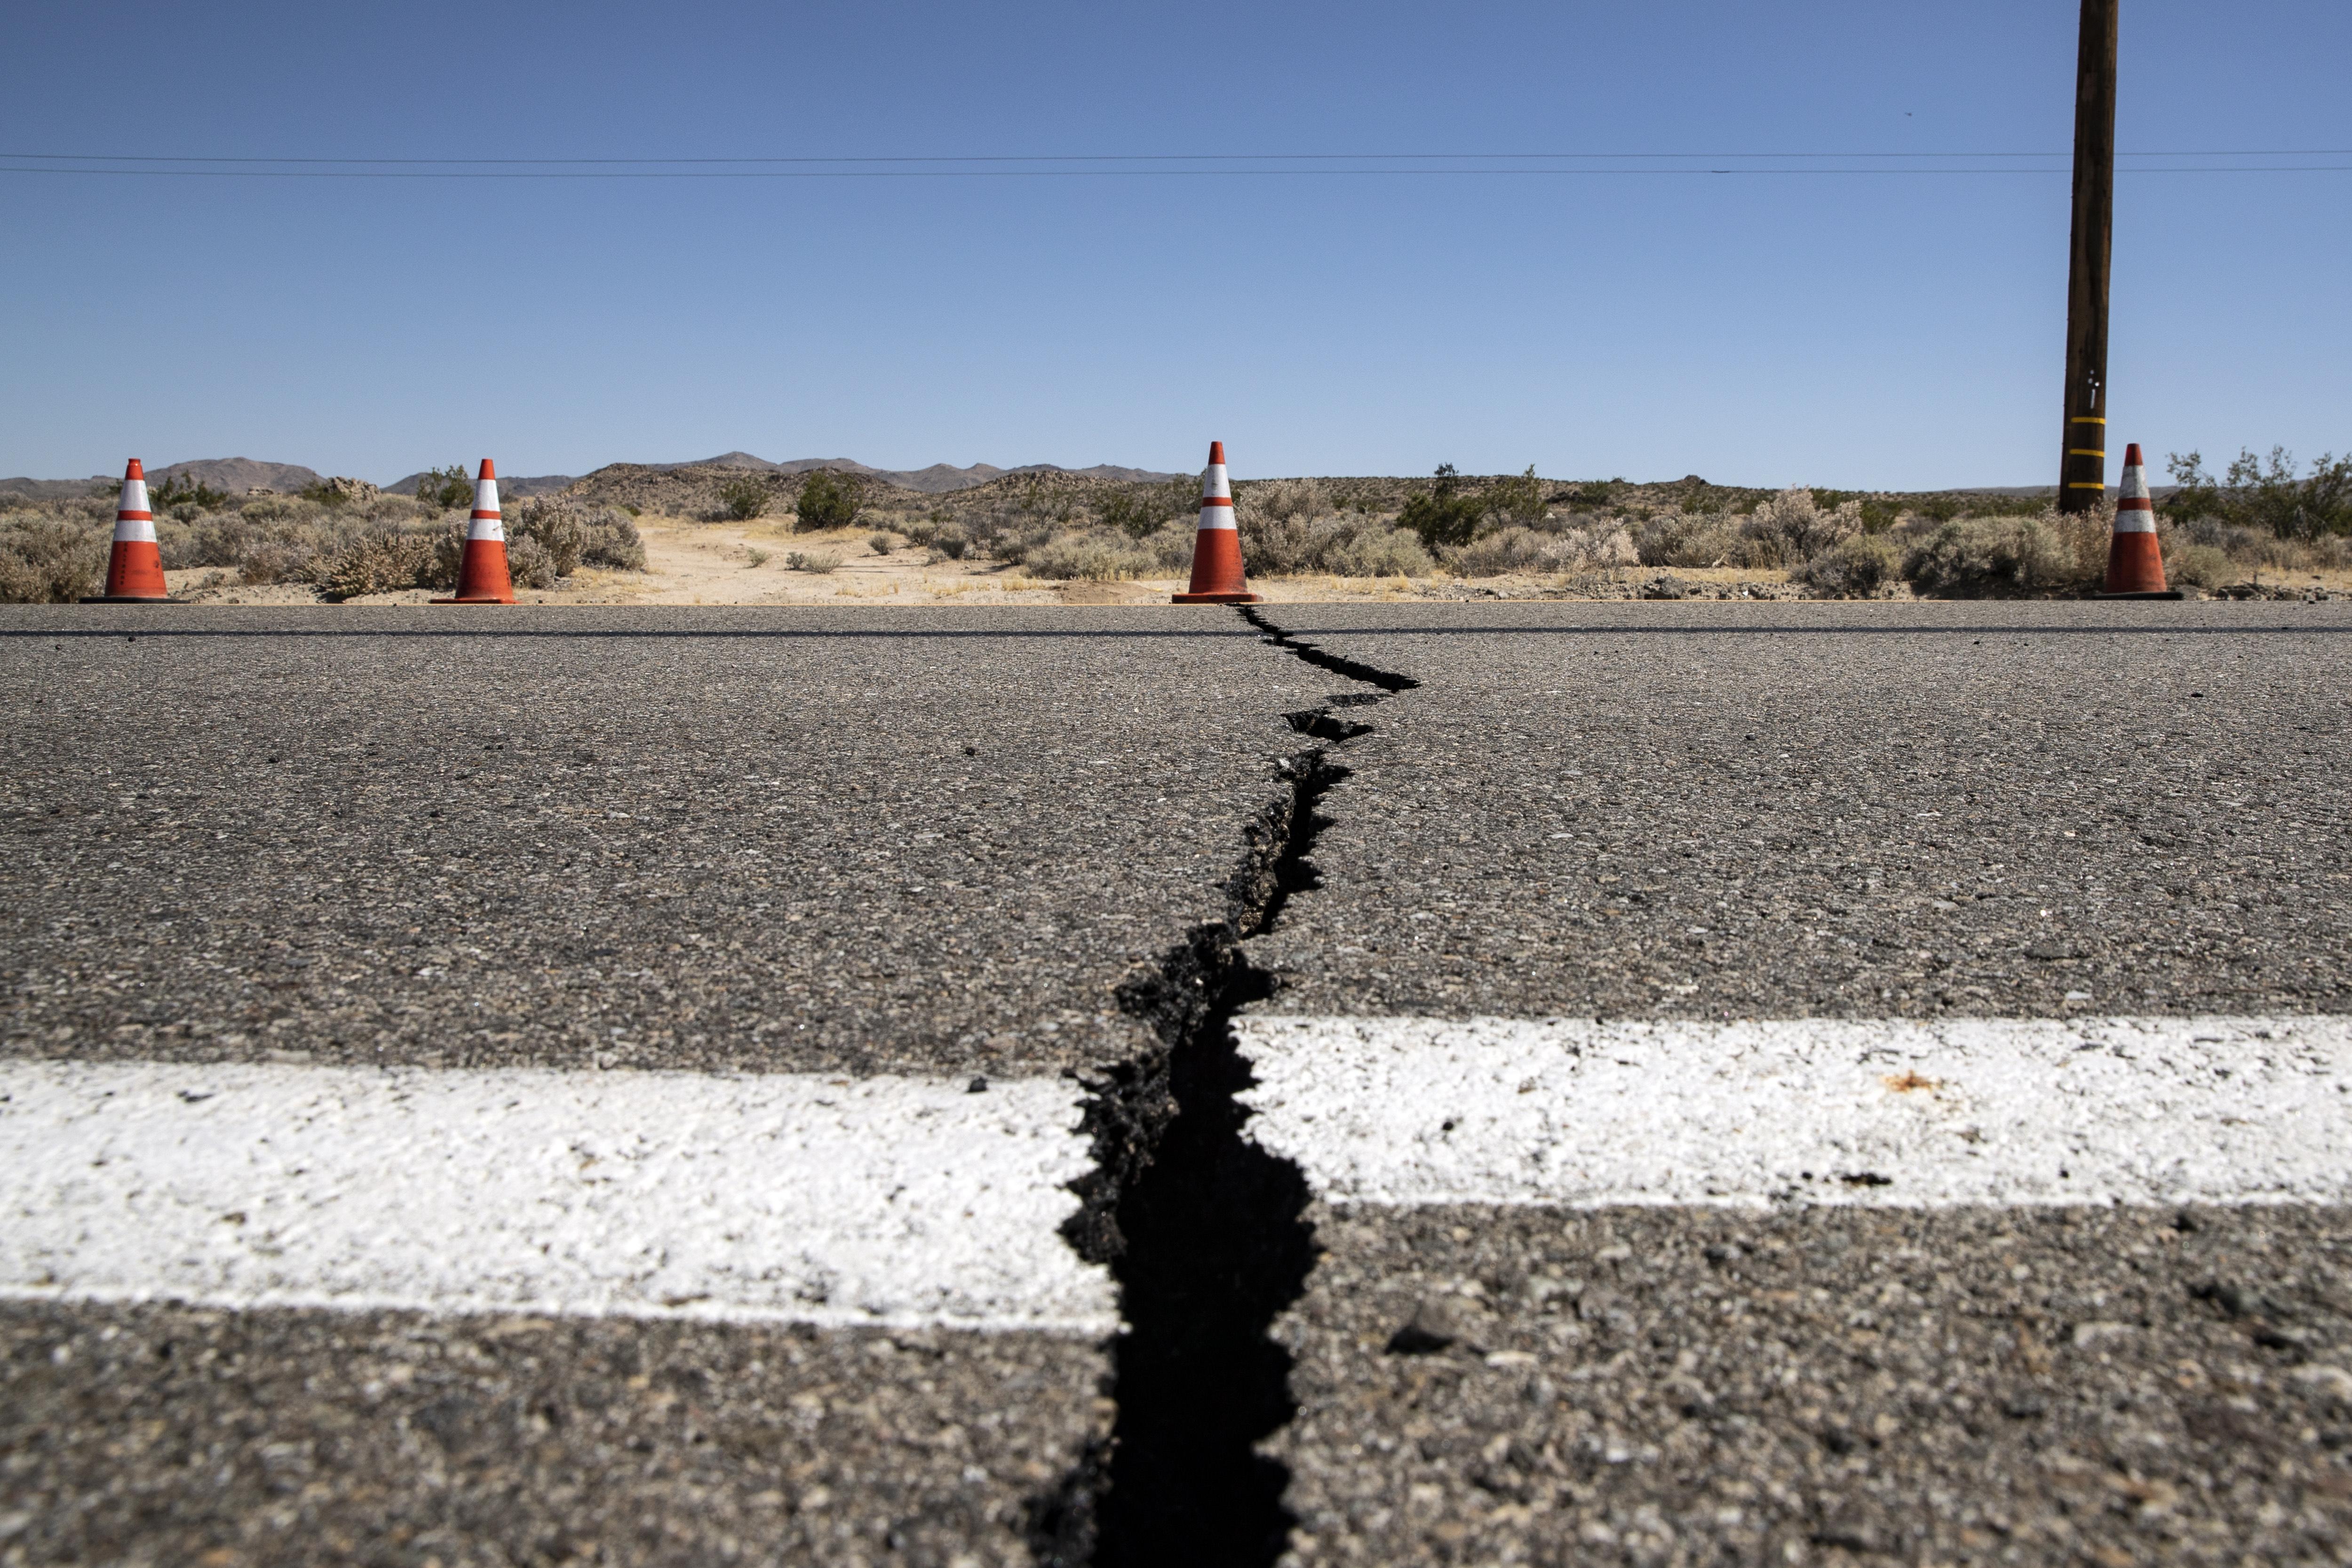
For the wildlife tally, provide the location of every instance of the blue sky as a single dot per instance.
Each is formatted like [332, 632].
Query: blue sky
[1886, 330]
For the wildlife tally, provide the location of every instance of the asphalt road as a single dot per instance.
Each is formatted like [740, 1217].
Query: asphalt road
[1855, 812]
[863, 848]
[925, 844]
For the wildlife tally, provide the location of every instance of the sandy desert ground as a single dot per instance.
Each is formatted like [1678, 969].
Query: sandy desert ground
[692, 562]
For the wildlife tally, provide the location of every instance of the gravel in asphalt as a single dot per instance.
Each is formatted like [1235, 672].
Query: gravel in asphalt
[865, 841]
[169, 1436]
[1849, 810]
[919, 844]
[1647, 1385]
[1914, 812]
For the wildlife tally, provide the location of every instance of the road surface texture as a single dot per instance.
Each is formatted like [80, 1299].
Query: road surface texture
[1959, 1271]
[295, 899]
[1485, 1084]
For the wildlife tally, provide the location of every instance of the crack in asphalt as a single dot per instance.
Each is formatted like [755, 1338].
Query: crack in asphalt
[1200, 1227]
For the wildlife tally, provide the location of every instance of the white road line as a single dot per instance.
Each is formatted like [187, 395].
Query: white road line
[881, 1201]
[1894, 1112]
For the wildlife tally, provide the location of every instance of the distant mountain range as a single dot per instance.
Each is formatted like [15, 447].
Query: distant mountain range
[238, 475]
[937, 479]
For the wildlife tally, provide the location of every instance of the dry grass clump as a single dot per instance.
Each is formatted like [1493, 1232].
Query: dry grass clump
[1290, 528]
[1100, 556]
[818, 561]
[51, 558]
[2000, 557]
[52, 550]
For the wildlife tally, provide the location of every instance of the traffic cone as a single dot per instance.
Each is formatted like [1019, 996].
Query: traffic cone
[2135, 562]
[482, 571]
[134, 569]
[1217, 547]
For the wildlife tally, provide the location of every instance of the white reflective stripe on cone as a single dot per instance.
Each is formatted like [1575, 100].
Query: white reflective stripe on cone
[134, 530]
[2135, 522]
[486, 528]
[134, 496]
[486, 497]
[1216, 517]
[1213, 483]
[2134, 486]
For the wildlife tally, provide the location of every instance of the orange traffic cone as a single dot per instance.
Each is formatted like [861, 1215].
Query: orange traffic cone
[1217, 547]
[482, 571]
[134, 569]
[2135, 562]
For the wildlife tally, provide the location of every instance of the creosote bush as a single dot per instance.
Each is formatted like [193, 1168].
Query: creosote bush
[1444, 513]
[744, 499]
[817, 561]
[829, 499]
[444, 490]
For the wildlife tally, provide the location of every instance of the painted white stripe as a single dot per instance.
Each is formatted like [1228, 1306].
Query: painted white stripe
[1895, 1112]
[2135, 522]
[879, 1201]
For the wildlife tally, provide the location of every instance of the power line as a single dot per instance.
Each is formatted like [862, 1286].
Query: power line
[626, 174]
[1149, 157]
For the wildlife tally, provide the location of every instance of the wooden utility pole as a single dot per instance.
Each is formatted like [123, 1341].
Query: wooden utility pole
[2082, 471]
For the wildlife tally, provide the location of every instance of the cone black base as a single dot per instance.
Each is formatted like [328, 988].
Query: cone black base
[129, 599]
[2159, 594]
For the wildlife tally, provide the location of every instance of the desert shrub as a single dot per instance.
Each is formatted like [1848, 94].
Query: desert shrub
[1376, 551]
[1283, 501]
[180, 490]
[529, 563]
[1442, 514]
[881, 543]
[1514, 549]
[1517, 501]
[1853, 568]
[1137, 510]
[1791, 529]
[1171, 547]
[2199, 565]
[612, 539]
[383, 563]
[276, 509]
[828, 500]
[1689, 539]
[49, 558]
[275, 561]
[1101, 557]
[947, 542]
[746, 498]
[1595, 495]
[558, 529]
[817, 561]
[445, 488]
[1973, 557]
[1346, 544]
[755, 559]
[2265, 495]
